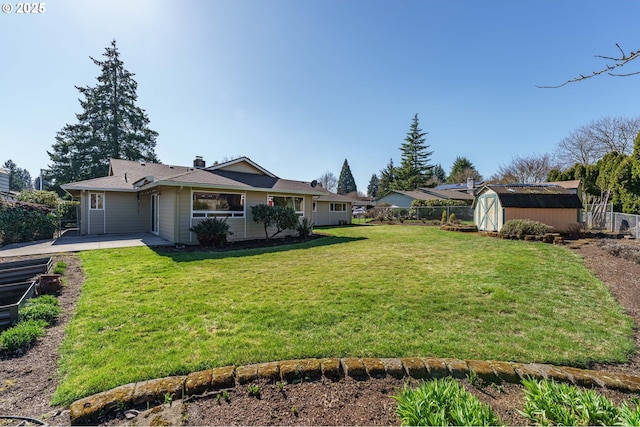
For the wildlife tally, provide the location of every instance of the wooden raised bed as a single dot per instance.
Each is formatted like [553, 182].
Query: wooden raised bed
[18, 281]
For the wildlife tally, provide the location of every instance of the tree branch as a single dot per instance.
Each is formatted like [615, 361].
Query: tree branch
[620, 61]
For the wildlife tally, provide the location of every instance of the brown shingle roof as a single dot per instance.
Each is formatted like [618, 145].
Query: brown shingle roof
[124, 174]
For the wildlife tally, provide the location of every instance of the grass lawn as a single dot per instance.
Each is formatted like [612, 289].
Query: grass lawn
[383, 291]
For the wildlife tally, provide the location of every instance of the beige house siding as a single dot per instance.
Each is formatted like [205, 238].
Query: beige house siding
[560, 219]
[167, 214]
[324, 216]
[126, 214]
[243, 228]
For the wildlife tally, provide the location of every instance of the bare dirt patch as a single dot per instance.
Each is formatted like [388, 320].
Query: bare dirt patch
[27, 381]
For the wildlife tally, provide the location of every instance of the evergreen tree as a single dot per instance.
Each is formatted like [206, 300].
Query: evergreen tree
[110, 125]
[19, 179]
[372, 188]
[439, 175]
[346, 183]
[462, 169]
[388, 178]
[415, 170]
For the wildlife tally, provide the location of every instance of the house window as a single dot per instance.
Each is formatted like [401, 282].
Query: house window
[96, 201]
[338, 207]
[207, 204]
[297, 203]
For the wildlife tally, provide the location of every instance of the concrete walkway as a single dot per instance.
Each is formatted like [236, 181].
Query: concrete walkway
[71, 242]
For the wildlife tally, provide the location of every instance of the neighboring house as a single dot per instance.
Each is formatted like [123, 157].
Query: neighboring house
[403, 199]
[4, 181]
[332, 209]
[168, 200]
[550, 204]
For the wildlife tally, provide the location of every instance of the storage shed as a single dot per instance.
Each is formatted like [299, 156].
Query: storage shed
[550, 204]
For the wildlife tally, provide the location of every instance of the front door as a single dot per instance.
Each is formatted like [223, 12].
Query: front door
[155, 202]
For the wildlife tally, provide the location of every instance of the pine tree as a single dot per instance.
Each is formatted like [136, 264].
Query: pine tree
[388, 178]
[110, 125]
[346, 183]
[462, 169]
[372, 188]
[415, 170]
[439, 175]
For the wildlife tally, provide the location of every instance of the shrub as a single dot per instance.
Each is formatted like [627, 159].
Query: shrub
[442, 402]
[305, 228]
[22, 335]
[280, 217]
[25, 222]
[443, 217]
[42, 308]
[212, 232]
[525, 227]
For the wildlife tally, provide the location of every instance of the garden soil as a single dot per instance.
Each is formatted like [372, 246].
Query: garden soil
[28, 380]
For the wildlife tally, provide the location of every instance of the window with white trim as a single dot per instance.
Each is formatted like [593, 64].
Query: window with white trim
[206, 204]
[338, 207]
[295, 202]
[96, 201]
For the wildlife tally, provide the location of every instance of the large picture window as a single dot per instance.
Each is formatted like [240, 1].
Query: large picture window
[96, 201]
[297, 203]
[209, 204]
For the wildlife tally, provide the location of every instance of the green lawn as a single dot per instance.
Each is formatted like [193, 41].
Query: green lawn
[383, 291]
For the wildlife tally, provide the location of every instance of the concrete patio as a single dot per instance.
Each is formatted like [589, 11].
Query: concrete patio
[70, 241]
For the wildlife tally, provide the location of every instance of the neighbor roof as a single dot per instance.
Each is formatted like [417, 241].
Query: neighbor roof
[534, 196]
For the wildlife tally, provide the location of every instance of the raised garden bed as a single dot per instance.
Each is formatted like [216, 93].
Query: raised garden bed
[18, 281]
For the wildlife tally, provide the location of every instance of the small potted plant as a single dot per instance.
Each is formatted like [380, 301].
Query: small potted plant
[212, 232]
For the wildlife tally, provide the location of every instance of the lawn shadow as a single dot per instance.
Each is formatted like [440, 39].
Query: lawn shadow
[236, 249]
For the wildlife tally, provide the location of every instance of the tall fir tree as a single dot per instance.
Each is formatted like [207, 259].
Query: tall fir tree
[388, 178]
[439, 175]
[372, 188]
[346, 183]
[415, 170]
[110, 125]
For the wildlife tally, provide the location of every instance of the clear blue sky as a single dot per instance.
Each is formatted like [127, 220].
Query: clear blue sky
[298, 86]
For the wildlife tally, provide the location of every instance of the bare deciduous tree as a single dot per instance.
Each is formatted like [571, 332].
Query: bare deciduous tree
[328, 181]
[525, 170]
[589, 143]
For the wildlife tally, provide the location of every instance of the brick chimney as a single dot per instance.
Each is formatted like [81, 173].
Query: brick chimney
[199, 163]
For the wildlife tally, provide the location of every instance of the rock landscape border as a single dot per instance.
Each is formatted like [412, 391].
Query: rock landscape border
[177, 387]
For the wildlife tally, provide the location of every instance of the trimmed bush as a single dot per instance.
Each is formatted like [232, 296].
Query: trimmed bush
[25, 222]
[442, 402]
[525, 227]
[21, 336]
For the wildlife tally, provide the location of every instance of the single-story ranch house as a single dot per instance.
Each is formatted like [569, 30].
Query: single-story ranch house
[551, 204]
[168, 200]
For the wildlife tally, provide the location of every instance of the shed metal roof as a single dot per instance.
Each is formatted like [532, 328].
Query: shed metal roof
[535, 196]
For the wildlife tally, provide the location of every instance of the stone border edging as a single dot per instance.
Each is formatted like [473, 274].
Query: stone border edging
[134, 394]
